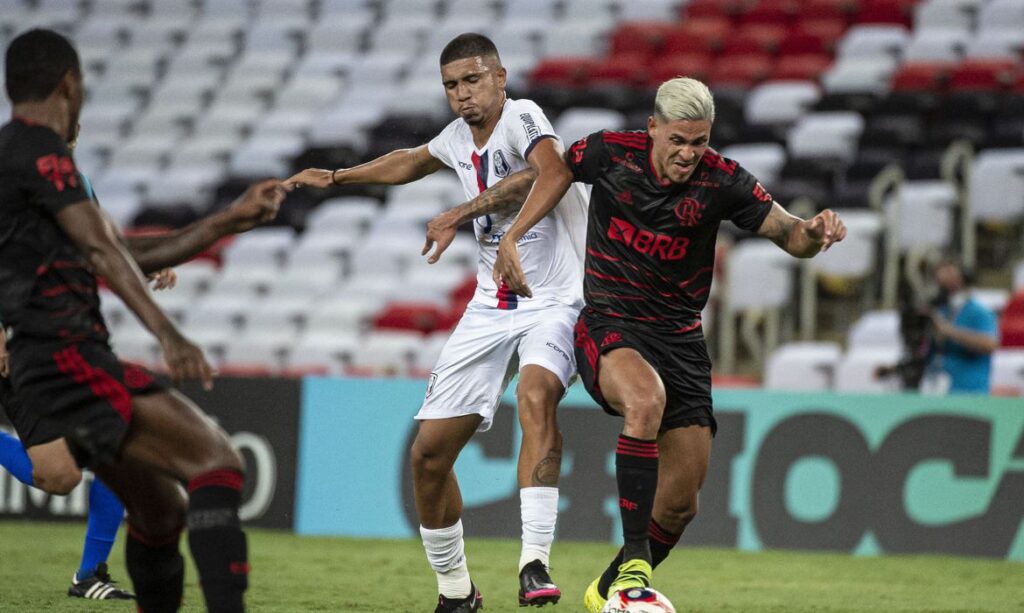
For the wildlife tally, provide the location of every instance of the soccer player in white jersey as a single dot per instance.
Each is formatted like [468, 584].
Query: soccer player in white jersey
[500, 333]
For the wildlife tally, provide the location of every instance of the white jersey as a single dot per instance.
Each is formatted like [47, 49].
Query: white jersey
[551, 253]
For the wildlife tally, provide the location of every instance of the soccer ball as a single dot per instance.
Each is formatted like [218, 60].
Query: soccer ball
[638, 600]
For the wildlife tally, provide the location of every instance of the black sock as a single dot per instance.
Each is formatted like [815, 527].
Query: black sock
[216, 540]
[661, 542]
[636, 470]
[157, 571]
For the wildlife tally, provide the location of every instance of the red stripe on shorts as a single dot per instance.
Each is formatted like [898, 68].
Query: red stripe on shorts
[70, 362]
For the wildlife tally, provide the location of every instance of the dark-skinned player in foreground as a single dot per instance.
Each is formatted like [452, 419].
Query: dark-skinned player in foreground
[84, 408]
[658, 199]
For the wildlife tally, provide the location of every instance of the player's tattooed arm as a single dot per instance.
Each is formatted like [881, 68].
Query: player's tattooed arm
[802, 238]
[259, 204]
[504, 197]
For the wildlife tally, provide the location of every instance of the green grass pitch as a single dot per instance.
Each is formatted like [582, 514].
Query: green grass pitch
[293, 573]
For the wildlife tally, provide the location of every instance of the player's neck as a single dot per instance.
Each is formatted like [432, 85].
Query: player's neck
[483, 130]
[45, 113]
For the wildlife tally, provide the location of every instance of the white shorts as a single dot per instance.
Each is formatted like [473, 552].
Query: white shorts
[486, 350]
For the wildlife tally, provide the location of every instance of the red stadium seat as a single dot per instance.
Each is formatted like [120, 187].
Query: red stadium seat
[625, 69]
[410, 316]
[887, 11]
[740, 70]
[829, 30]
[922, 77]
[696, 65]
[1019, 86]
[697, 35]
[828, 9]
[756, 38]
[779, 12]
[645, 37]
[983, 75]
[803, 43]
[1011, 323]
[806, 67]
[567, 72]
[728, 9]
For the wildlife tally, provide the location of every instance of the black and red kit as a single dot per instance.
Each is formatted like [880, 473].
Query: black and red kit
[650, 260]
[66, 380]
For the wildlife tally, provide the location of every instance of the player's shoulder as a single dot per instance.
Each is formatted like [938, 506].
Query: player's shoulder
[22, 142]
[720, 165]
[519, 106]
[635, 140]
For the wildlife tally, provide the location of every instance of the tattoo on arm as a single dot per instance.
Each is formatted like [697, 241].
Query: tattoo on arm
[779, 226]
[505, 197]
[547, 470]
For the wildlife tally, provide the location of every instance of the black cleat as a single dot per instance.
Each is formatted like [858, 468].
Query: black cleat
[473, 602]
[98, 587]
[535, 586]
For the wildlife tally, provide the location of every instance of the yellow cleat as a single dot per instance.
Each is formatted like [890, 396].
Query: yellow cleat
[632, 573]
[592, 598]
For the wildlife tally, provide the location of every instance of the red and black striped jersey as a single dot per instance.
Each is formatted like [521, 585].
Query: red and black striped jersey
[651, 246]
[46, 288]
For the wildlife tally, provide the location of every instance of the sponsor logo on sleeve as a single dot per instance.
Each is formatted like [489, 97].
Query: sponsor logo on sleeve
[761, 193]
[58, 170]
[532, 131]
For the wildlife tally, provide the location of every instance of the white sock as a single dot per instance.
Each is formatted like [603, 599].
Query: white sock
[539, 508]
[446, 552]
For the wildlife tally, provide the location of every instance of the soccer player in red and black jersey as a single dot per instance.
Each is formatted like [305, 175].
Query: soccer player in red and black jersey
[83, 407]
[658, 198]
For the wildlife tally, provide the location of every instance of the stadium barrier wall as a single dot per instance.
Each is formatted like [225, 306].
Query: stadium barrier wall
[865, 474]
[262, 418]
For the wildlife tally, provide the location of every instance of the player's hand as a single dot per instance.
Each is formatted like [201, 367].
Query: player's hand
[508, 270]
[440, 230]
[311, 177]
[185, 360]
[164, 279]
[826, 228]
[258, 205]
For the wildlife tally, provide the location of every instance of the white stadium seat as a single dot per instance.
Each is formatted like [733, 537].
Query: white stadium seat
[802, 367]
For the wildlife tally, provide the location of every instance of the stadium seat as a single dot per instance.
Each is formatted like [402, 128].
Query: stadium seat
[802, 367]
[868, 75]
[577, 123]
[886, 11]
[643, 39]
[801, 67]
[957, 14]
[728, 9]
[1007, 378]
[826, 135]
[874, 40]
[385, 352]
[857, 259]
[990, 44]
[740, 71]
[856, 370]
[986, 75]
[417, 317]
[763, 160]
[931, 200]
[1001, 14]
[922, 76]
[997, 186]
[697, 35]
[875, 329]
[567, 38]
[695, 65]
[322, 353]
[663, 10]
[939, 45]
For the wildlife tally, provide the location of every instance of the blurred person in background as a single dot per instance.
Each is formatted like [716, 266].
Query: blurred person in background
[950, 342]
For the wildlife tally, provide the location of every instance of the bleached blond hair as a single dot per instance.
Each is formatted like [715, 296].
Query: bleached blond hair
[684, 98]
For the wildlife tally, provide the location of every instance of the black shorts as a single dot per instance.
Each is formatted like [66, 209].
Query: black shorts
[79, 391]
[684, 367]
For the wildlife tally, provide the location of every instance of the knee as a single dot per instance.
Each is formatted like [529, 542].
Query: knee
[643, 412]
[537, 409]
[429, 459]
[162, 519]
[223, 456]
[59, 482]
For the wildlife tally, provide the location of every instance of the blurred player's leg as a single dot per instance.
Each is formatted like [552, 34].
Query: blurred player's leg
[684, 455]
[14, 458]
[92, 579]
[171, 435]
[540, 459]
[439, 505]
[634, 388]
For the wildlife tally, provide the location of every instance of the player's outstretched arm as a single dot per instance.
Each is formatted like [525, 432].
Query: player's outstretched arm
[395, 168]
[553, 179]
[98, 241]
[503, 198]
[258, 205]
[802, 238]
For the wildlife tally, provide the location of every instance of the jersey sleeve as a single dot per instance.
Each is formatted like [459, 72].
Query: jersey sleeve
[588, 158]
[747, 201]
[52, 180]
[526, 127]
[440, 145]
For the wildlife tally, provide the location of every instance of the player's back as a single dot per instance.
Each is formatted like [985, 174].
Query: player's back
[46, 290]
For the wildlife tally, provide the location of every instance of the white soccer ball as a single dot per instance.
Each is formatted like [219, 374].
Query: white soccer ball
[638, 600]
